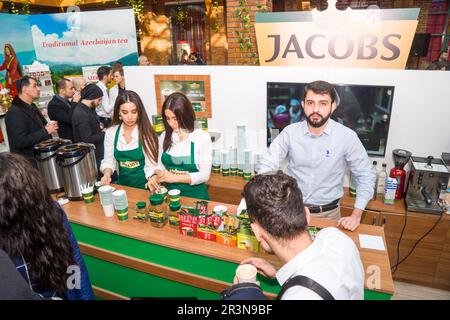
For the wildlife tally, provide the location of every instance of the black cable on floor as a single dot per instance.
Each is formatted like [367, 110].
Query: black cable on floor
[417, 242]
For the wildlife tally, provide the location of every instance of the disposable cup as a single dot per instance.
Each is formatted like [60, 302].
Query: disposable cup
[174, 195]
[88, 194]
[246, 273]
[108, 210]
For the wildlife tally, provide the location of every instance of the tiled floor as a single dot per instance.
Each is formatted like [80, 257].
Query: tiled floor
[407, 291]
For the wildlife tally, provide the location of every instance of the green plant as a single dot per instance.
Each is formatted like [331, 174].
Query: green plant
[215, 26]
[244, 33]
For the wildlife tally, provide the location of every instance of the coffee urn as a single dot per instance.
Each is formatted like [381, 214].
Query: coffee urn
[77, 162]
[45, 156]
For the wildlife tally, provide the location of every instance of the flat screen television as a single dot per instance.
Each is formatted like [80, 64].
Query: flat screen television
[366, 109]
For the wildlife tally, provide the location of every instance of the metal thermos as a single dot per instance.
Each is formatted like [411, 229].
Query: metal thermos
[45, 155]
[77, 162]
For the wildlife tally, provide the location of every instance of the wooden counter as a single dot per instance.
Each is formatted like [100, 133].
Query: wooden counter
[181, 260]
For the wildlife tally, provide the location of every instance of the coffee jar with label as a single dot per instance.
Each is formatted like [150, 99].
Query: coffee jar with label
[157, 211]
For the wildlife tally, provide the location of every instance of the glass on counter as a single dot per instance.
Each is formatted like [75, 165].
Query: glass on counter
[157, 211]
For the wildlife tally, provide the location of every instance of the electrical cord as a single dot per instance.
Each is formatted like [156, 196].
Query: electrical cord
[416, 244]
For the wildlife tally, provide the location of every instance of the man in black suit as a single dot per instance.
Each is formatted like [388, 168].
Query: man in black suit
[85, 123]
[25, 124]
[60, 108]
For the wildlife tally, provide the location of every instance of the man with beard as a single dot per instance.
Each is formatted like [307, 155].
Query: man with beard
[85, 124]
[317, 151]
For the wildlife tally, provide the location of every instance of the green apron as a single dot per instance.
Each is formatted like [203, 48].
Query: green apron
[184, 164]
[131, 165]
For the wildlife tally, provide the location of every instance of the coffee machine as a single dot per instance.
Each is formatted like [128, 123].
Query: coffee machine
[427, 178]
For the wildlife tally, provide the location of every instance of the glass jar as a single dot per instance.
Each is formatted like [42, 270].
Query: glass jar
[141, 212]
[157, 211]
[174, 208]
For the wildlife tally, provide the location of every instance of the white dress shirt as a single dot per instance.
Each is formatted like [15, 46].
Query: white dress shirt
[202, 153]
[105, 109]
[333, 261]
[318, 163]
[110, 162]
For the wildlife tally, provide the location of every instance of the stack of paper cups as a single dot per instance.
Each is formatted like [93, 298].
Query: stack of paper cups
[121, 204]
[106, 199]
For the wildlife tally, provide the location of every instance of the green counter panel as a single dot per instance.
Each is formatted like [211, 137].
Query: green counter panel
[132, 283]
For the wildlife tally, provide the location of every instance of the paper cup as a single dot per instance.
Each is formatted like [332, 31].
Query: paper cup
[246, 273]
[106, 195]
[162, 191]
[108, 210]
[88, 195]
[174, 195]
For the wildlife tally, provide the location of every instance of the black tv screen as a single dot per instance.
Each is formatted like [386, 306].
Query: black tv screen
[366, 109]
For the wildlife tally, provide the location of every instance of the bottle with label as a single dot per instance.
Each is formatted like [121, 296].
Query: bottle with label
[353, 185]
[375, 173]
[157, 211]
[381, 180]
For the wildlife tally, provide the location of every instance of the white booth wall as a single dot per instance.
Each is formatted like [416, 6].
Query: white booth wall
[420, 118]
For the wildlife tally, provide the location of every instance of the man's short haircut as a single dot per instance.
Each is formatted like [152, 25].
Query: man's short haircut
[103, 71]
[321, 87]
[61, 84]
[24, 82]
[275, 202]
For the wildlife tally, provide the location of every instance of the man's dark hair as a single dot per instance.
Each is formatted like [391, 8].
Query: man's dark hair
[320, 87]
[103, 71]
[24, 82]
[275, 202]
[61, 84]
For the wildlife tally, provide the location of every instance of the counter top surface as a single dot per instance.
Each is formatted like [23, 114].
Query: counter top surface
[91, 215]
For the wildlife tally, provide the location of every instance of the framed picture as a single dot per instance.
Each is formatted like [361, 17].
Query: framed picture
[196, 87]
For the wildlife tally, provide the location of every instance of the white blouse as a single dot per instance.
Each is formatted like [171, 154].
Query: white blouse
[110, 162]
[202, 153]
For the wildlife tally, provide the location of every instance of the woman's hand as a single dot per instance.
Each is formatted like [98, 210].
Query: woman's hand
[152, 183]
[106, 179]
[166, 176]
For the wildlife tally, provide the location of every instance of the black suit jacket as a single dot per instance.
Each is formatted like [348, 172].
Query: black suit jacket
[86, 128]
[25, 128]
[61, 111]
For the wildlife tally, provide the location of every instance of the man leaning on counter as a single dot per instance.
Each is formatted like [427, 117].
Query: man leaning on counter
[318, 150]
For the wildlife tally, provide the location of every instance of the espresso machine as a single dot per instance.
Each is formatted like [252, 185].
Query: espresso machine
[427, 178]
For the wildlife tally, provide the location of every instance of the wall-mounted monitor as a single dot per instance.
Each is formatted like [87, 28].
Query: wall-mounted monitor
[366, 109]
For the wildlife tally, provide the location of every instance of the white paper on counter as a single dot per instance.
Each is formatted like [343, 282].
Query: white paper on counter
[371, 242]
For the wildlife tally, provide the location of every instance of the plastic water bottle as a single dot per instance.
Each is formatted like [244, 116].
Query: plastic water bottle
[381, 180]
[375, 173]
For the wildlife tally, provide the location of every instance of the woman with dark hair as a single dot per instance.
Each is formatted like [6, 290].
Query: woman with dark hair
[185, 153]
[13, 69]
[35, 233]
[130, 144]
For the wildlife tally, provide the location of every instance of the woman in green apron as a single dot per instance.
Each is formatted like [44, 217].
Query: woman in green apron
[131, 144]
[185, 152]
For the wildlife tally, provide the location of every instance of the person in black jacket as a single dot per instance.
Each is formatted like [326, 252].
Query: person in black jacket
[25, 124]
[60, 108]
[85, 123]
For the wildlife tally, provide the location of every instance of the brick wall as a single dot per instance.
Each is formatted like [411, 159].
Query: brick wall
[236, 56]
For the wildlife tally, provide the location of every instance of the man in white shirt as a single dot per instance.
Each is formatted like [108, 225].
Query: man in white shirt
[279, 219]
[105, 109]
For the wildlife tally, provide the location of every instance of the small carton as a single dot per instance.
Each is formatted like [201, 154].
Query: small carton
[188, 221]
[389, 191]
[246, 240]
[227, 232]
